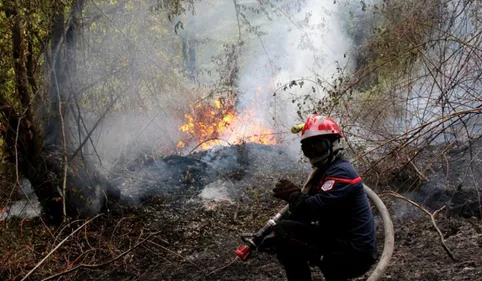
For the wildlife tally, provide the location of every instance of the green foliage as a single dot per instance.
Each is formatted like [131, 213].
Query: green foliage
[173, 7]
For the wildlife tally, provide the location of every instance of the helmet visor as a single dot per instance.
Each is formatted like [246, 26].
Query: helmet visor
[316, 149]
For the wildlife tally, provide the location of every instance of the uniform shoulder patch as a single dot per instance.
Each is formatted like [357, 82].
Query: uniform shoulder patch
[328, 185]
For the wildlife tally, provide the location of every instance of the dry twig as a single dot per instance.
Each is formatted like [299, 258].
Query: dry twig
[101, 264]
[58, 246]
[420, 174]
[432, 217]
[64, 148]
[176, 254]
[222, 267]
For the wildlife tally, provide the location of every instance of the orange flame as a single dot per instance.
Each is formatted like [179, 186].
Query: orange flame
[208, 125]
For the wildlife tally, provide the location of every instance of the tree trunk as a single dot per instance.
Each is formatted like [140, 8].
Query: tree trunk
[41, 159]
[86, 189]
[24, 143]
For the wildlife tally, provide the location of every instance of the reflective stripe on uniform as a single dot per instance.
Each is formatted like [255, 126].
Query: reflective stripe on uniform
[353, 181]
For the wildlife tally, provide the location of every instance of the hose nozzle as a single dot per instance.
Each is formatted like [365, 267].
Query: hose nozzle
[297, 128]
[243, 252]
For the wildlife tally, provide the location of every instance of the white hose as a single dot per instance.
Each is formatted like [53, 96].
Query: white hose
[389, 243]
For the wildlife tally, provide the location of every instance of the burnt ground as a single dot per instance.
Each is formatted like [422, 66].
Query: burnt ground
[178, 231]
[202, 243]
[195, 240]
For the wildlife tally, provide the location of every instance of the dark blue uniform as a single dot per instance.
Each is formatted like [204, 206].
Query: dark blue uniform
[333, 221]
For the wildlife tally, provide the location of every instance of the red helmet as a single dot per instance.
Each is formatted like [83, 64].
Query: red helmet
[318, 125]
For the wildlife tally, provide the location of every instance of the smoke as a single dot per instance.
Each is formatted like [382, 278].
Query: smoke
[275, 42]
[27, 207]
[304, 41]
[439, 80]
[216, 191]
[145, 70]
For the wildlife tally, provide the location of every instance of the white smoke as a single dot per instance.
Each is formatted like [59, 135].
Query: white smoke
[156, 71]
[275, 42]
[281, 41]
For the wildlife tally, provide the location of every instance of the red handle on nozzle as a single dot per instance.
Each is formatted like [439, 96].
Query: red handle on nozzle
[243, 252]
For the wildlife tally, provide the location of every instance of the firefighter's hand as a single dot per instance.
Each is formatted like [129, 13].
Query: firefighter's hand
[284, 188]
[268, 244]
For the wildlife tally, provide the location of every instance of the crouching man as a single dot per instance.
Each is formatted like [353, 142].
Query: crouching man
[331, 227]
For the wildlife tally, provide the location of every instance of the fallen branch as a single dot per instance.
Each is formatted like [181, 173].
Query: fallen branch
[208, 140]
[223, 267]
[420, 174]
[100, 264]
[58, 246]
[432, 217]
[63, 228]
[176, 254]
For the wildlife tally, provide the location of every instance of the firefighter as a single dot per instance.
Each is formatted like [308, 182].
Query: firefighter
[332, 227]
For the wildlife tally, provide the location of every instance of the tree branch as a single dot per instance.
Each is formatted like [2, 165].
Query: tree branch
[432, 217]
[58, 246]
[93, 128]
[101, 264]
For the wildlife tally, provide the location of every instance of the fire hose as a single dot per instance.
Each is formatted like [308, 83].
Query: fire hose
[253, 240]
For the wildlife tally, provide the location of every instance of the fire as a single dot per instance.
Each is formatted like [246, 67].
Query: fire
[217, 123]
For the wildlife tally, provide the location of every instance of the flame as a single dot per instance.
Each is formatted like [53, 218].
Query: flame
[211, 124]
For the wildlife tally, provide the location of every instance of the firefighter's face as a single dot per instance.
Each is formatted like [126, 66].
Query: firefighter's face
[316, 150]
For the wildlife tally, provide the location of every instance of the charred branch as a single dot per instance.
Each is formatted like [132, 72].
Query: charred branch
[432, 218]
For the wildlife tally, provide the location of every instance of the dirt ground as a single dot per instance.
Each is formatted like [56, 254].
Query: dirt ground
[184, 237]
[198, 243]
